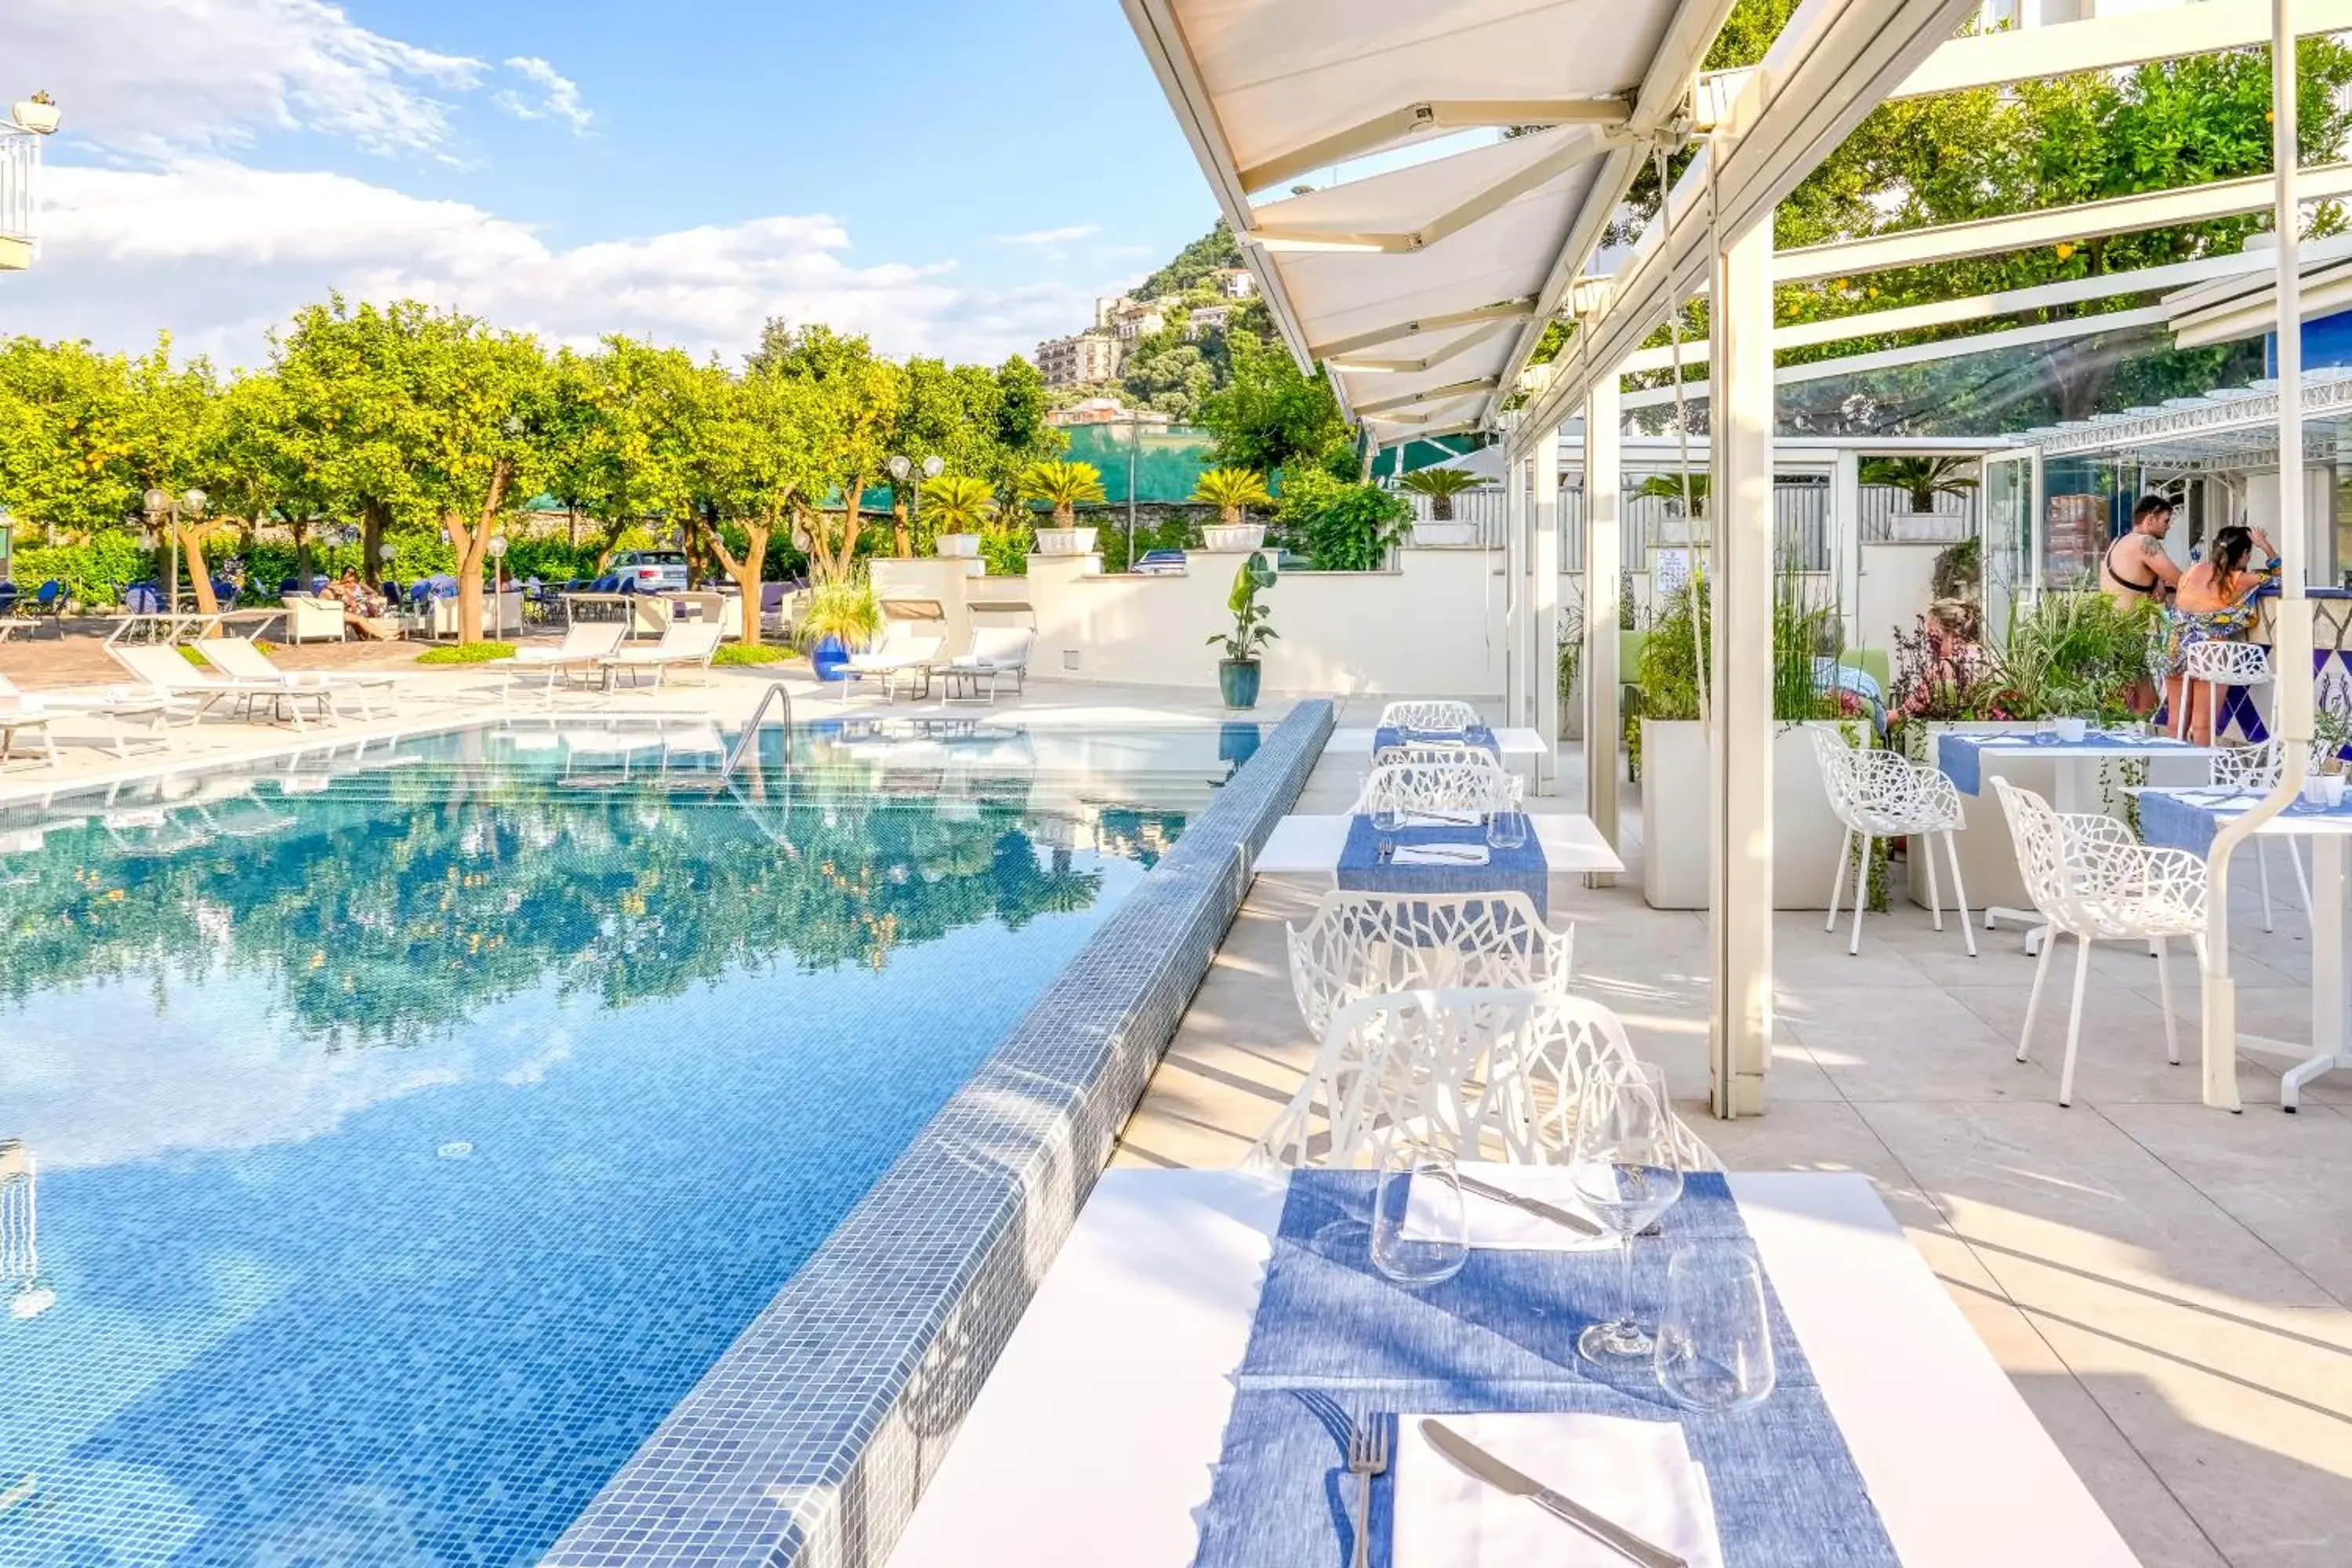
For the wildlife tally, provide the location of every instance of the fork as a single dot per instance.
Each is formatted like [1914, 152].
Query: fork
[1368, 1455]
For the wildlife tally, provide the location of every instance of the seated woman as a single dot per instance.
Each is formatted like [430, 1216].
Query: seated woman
[2215, 601]
[362, 608]
[1956, 656]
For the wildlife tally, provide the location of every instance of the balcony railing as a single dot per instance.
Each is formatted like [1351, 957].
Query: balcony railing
[20, 165]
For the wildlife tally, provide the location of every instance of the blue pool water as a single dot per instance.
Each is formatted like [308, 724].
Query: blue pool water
[407, 1133]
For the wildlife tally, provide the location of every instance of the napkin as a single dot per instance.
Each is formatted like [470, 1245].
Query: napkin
[1440, 855]
[1635, 1474]
[1499, 1227]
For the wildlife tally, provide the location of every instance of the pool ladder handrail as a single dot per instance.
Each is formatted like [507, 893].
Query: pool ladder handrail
[744, 743]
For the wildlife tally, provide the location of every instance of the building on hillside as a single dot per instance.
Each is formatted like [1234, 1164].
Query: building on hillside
[1107, 411]
[1082, 359]
[1207, 319]
[1234, 282]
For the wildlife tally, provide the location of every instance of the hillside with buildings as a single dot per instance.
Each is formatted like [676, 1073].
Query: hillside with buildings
[1161, 348]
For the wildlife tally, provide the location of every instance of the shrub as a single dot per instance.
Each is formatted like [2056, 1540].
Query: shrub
[466, 653]
[750, 653]
[1345, 527]
[93, 572]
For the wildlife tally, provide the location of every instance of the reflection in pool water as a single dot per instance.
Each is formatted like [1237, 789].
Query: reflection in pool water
[411, 1136]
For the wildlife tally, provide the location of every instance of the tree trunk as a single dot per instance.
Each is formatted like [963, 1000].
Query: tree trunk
[374, 514]
[473, 548]
[747, 571]
[192, 551]
[902, 538]
[302, 531]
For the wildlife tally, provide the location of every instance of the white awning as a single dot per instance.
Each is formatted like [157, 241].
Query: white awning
[1421, 284]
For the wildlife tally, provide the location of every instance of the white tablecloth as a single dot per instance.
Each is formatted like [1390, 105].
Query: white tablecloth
[1094, 1441]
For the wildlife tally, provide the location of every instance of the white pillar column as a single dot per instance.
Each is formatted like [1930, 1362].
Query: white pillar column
[1603, 567]
[1740, 752]
[1845, 551]
[1543, 606]
[1515, 511]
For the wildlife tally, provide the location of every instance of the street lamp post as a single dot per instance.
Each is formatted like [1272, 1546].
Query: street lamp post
[164, 511]
[901, 468]
[1134, 445]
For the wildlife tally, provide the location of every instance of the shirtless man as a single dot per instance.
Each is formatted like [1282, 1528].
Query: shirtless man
[2135, 567]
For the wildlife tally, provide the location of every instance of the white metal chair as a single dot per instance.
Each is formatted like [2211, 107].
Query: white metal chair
[1541, 1085]
[1415, 1064]
[2089, 877]
[2218, 662]
[1426, 750]
[1463, 786]
[2255, 769]
[1440, 718]
[1884, 795]
[1362, 944]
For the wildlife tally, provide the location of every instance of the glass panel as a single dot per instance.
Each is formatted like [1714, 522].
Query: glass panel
[2006, 541]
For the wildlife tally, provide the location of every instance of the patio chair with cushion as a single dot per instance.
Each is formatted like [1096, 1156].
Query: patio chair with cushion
[311, 619]
[2091, 879]
[684, 645]
[996, 652]
[241, 661]
[1360, 944]
[1884, 795]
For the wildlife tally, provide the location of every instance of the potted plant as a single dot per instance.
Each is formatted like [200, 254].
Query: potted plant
[1238, 671]
[37, 113]
[1441, 486]
[963, 507]
[1063, 487]
[1231, 492]
[841, 617]
[1921, 481]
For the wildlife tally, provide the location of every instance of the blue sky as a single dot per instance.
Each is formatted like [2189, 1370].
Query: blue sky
[952, 178]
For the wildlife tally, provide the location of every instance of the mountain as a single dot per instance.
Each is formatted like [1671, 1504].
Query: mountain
[1195, 265]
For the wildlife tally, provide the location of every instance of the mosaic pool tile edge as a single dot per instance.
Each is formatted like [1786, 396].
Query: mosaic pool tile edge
[808, 1443]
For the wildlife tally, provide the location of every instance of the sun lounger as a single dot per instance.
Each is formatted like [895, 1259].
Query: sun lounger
[37, 710]
[585, 643]
[996, 652]
[241, 661]
[684, 644]
[167, 670]
[903, 652]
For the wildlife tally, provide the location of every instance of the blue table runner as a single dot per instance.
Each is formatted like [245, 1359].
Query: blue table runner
[2187, 822]
[1961, 757]
[1523, 870]
[1333, 1337]
[1477, 735]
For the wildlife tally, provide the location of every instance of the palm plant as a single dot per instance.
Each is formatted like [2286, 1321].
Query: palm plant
[1441, 486]
[1231, 490]
[959, 503]
[1670, 487]
[1922, 479]
[1063, 486]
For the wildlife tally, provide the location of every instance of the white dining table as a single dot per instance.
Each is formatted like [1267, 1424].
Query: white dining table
[1095, 1441]
[2331, 1033]
[1308, 844]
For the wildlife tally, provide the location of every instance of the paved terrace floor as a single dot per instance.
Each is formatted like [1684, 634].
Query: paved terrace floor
[2170, 1287]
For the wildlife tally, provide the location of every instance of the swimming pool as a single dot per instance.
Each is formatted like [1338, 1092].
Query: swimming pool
[410, 1130]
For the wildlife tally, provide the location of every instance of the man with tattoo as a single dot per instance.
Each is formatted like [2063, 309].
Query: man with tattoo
[2136, 568]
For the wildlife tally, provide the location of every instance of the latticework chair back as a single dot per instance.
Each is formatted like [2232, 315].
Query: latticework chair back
[1414, 1064]
[1473, 784]
[2226, 662]
[1539, 1087]
[1364, 945]
[1438, 751]
[1883, 793]
[1437, 716]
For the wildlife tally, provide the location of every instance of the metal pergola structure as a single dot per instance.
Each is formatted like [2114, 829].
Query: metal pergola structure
[1423, 271]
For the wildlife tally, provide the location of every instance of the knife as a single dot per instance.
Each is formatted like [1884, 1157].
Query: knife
[1568, 1218]
[1474, 1461]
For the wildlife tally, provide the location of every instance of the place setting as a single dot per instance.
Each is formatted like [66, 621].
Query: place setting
[1459, 1366]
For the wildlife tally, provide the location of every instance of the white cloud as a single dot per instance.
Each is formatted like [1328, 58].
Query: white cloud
[218, 253]
[1051, 236]
[149, 77]
[559, 95]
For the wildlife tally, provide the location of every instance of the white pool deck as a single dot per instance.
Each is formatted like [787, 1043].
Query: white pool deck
[2168, 1286]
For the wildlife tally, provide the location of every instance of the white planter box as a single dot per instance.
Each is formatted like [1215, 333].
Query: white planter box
[959, 546]
[1927, 527]
[1238, 536]
[36, 117]
[1806, 835]
[1065, 541]
[1442, 535]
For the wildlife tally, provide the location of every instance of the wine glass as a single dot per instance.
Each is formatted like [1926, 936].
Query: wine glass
[1419, 1178]
[1714, 1343]
[1627, 1171]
